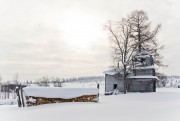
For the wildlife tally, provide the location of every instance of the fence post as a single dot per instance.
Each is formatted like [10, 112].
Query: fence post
[98, 88]
[22, 96]
[18, 95]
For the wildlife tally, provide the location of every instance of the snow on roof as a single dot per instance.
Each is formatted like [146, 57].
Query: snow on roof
[113, 71]
[144, 52]
[142, 56]
[145, 67]
[143, 77]
[57, 92]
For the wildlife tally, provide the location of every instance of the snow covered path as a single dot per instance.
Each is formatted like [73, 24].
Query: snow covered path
[163, 105]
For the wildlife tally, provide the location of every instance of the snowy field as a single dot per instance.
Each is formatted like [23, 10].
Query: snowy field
[164, 105]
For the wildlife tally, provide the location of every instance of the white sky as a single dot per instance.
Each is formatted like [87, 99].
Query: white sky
[65, 38]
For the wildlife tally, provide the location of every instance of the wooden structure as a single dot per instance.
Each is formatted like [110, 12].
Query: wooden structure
[113, 81]
[8, 89]
[33, 101]
[142, 78]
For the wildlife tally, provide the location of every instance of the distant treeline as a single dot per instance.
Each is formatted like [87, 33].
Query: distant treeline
[85, 79]
[169, 81]
[56, 81]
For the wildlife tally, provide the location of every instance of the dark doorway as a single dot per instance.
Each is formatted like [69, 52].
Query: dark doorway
[154, 86]
[115, 86]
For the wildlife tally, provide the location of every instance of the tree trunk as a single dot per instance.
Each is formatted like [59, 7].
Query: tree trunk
[124, 78]
[139, 37]
[139, 47]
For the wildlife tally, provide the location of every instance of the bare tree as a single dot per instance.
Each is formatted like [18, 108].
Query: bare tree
[57, 82]
[44, 81]
[144, 37]
[123, 45]
[129, 36]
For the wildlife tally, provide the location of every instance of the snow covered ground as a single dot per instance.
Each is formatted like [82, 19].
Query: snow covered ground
[8, 101]
[164, 105]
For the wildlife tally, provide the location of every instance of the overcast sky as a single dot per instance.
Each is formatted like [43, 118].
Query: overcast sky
[65, 38]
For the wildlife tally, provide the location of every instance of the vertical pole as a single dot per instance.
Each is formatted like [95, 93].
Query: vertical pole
[18, 95]
[124, 79]
[98, 89]
[22, 97]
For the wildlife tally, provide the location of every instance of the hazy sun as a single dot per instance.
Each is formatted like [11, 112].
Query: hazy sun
[79, 29]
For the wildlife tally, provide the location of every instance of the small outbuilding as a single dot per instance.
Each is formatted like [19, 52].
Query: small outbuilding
[113, 81]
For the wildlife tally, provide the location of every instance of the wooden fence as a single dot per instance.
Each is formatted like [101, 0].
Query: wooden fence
[7, 92]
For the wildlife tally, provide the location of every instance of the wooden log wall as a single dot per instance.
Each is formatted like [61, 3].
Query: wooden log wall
[33, 101]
